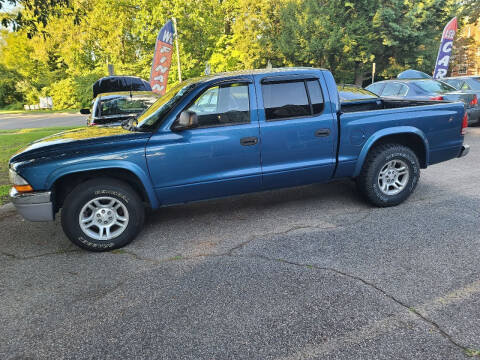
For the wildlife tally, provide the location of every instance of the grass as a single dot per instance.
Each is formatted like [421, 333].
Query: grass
[472, 352]
[72, 111]
[13, 140]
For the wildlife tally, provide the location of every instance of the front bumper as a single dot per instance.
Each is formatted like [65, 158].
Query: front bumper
[35, 206]
[465, 150]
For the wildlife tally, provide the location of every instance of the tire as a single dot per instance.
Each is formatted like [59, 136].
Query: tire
[380, 181]
[105, 201]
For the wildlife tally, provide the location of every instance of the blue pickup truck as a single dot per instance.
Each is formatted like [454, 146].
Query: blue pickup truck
[230, 134]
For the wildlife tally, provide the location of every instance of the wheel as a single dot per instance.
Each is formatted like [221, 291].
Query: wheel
[389, 175]
[102, 214]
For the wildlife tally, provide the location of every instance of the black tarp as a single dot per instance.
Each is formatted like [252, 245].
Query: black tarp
[120, 83]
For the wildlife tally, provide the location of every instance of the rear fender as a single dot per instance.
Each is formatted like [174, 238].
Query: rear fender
[382, 134]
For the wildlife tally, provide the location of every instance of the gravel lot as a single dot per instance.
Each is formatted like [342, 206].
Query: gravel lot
[305, 273]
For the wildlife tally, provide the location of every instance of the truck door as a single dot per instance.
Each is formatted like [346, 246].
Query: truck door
[298, 130]
[220, 157]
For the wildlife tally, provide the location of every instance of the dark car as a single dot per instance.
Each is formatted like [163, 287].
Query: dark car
[355, 98]
[116, 83]
[425, 89]
[114, 108]
[467, 84]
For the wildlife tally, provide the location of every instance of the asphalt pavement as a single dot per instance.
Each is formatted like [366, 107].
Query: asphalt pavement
[26, 121]
[306, 273]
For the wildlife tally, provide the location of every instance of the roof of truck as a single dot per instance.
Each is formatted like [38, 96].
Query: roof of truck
[257, 72]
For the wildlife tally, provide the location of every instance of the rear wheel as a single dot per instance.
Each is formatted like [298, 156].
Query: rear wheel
[389, 175]
[101, 215]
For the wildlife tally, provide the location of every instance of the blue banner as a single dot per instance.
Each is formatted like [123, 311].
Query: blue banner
[445, 51]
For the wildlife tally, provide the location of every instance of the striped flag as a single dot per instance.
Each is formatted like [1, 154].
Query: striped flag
[445, 51]
[162, 59]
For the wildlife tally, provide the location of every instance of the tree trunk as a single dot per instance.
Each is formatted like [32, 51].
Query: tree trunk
[358, 74]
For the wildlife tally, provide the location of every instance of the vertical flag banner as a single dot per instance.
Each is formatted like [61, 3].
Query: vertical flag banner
[445, 51]
[162, 59]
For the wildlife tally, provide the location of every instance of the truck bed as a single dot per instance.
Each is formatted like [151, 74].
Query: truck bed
[383, 103]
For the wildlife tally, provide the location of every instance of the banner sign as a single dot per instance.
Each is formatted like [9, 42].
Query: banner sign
[445, 51]
[162, 59]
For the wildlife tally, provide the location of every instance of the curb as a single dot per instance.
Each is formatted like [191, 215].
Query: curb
[6, 210]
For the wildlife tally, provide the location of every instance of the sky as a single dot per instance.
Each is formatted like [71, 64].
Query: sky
[6, 7]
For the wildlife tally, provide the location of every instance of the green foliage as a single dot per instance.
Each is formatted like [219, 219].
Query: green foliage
[13, 140]
[8, 91]
[63, 94]
[72, 41]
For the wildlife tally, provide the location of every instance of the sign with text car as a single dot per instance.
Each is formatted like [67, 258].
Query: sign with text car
[445, 51]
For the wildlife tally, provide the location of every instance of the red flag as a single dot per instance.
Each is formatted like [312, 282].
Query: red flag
[162, 59]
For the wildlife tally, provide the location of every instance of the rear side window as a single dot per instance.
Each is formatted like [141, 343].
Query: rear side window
[375, 88]
[316, 96]
[392, 89]
[292, 99]
[403, 90]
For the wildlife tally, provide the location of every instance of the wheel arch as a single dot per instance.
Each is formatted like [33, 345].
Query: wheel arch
[411, 137]
[62, 181]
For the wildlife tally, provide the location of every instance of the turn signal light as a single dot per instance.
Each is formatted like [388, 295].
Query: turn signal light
[436, 98]
[464, 124]
[474, 100]
[23, 188]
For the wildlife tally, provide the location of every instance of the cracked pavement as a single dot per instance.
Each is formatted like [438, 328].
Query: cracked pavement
[305, 273]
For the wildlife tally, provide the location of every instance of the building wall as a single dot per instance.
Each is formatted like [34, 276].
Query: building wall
[466, 53]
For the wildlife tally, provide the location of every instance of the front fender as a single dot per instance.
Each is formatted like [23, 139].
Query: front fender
[114, 164]
[398, 130]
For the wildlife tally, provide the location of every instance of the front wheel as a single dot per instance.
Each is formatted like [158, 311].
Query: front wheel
[389, 175]
[103, 214]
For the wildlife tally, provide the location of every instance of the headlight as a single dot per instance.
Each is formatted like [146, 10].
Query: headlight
[19, 183]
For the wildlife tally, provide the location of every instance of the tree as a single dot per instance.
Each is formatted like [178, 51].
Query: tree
[348, 36]
[32, 13]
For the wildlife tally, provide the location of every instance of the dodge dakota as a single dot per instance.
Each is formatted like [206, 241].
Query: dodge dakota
[229, 134]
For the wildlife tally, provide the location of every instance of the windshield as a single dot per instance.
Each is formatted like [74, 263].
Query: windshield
[155, 113]
[125, 104]
[434, 86]
[474, 83]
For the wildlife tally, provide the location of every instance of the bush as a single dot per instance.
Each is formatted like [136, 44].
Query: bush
[14, 106]
[84, 85]
[63, 94]
[73, 92]
[8, 90]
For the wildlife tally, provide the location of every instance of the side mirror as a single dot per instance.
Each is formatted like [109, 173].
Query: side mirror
[84, 111]
[187, 120]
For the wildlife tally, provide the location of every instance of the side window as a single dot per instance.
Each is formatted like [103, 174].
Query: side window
[465, 86]
[316, 96]
[403, 90]
[222, 105]
[290, 99]
[391, 89]
[375, 88]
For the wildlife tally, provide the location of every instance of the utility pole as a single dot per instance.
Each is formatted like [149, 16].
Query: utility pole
[373, 73]
[178, 51]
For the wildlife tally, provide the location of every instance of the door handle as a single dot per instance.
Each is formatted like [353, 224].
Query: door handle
[249, 141]
[322, 132]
